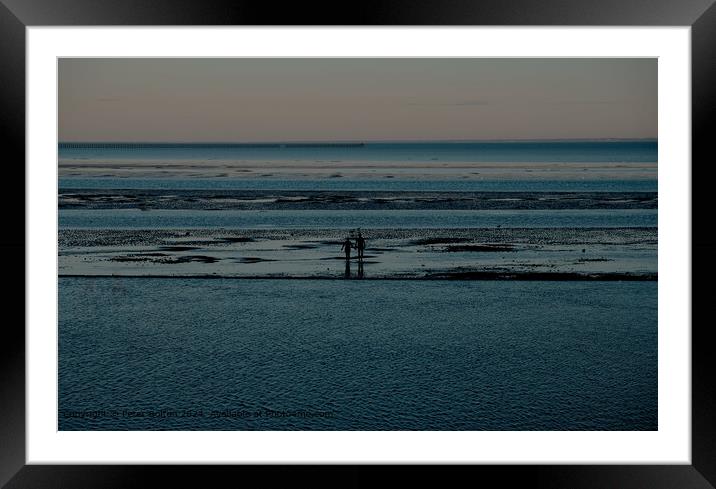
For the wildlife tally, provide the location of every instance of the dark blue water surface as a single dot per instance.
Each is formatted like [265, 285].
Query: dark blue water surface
[198, 354]
[349, 219]
[391, 185]
[506, 151]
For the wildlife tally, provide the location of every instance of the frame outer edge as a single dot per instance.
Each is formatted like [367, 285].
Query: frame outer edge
[12, 122]
[703, 389]
[367, 12]
[12, 244]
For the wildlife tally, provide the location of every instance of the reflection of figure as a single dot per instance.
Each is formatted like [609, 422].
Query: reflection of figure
[347, 273]
[360, 268]
[360, 245]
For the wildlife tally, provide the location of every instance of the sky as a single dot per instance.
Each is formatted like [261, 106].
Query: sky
[358, 99]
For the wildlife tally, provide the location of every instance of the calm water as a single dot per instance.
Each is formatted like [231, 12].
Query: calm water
[578, 152]
[616, 185]
[193, 354]
[349, 219]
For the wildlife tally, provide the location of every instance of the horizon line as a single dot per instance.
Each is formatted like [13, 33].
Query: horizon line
[367, 141]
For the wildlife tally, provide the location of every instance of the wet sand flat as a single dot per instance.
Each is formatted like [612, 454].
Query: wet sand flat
[352, 169]
[471, 254]
[348, 199]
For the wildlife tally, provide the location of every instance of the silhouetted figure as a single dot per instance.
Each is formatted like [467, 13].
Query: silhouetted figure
[347, 245]
[360, 245]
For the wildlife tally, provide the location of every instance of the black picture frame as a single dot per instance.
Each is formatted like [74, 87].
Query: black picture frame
[16, 15]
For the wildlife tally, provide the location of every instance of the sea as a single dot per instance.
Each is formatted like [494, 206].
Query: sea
[182, 353]
[197, 354]
[644, 151]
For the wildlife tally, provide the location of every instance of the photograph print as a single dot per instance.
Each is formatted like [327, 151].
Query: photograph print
[437, 244]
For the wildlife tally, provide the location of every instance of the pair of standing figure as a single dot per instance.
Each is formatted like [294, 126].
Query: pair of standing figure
[359, 246]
